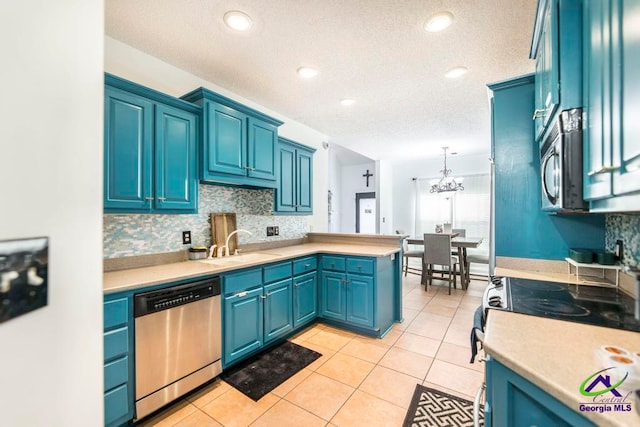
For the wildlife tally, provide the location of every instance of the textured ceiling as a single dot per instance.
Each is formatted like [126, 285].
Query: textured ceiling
[374, 51]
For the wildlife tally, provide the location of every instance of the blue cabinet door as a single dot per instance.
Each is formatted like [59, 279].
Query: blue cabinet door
[546, 82]
[225, 148]
[598, 133]
[334, 304]
[286, 192]
[626, 60]
[513, 399]
[175, 158]
[304, 181]
[305, 298]
[263, 138]
[243, 324]
[360, 300]
[278, 313]
[128, 155]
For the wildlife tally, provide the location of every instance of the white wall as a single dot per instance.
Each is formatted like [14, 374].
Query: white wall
[124, 61]
[51, 174]
[335, 186]
[353, 182]
[384, 197]
[403, 187]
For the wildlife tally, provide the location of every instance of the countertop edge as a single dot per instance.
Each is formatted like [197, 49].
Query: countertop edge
[198, 269]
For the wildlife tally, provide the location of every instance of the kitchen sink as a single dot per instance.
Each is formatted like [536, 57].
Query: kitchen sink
[240, 259]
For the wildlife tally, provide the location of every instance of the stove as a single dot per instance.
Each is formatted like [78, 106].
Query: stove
[600, 306]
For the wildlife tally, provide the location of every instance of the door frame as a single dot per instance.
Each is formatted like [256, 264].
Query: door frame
[360, 196]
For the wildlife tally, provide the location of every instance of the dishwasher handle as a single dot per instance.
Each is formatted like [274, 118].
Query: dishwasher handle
[163, 299]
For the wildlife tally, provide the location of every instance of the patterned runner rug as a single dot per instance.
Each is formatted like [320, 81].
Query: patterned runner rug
[430, 407]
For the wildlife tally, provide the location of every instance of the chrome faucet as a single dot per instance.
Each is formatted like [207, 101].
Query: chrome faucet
[225, 248]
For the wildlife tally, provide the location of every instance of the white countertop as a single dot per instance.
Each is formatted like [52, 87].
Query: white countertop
[557, 356]
[122, 280]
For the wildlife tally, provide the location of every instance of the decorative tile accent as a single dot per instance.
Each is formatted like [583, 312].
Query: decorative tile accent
[625, 227]
[143, 234]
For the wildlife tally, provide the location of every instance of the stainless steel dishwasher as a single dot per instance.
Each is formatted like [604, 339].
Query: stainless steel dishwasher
[178, 342]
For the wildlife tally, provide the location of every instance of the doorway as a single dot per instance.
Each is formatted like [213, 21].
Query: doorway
[366, 213]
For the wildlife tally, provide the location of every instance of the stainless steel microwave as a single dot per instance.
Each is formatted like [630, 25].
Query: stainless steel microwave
[561, 164]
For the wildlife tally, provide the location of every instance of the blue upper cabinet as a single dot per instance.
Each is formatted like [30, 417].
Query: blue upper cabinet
[557, 48]
[238, 143]
[128, 154]
[263, 139]
[175, 154]
[295, 172]
[227, 127]
[150, 149]
[612, 81]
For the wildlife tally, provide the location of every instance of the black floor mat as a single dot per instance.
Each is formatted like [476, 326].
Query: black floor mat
[262, 373]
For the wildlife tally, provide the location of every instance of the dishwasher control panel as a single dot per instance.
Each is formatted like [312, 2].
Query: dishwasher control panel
[175, 296]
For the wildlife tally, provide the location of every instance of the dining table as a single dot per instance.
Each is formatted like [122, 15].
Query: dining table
[462, 244]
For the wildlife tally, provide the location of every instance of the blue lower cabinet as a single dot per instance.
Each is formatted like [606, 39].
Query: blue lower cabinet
[345, 296]
[513, 399]
[334, 297]
[118, 360]
[360, 300]
[305, 298]
[116, 405]
[278, 316]
[243, 324]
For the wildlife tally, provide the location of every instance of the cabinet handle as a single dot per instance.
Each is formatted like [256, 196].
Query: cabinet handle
[538, 113]
[249, 168]
[263, 296]
[162, 198]
[307, 265]
[241, 294]
[148, 198]
[604, 169]
[296, 284]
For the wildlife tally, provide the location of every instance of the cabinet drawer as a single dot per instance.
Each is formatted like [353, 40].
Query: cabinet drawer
[245, 279]
[116, 313]
[116, 404]
[335, 263]
[360, 265]
[304, 265]
[116, 342]
[273, 273]
[116, 373]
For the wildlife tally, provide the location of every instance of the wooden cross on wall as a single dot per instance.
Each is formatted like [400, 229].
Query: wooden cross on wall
[367, 175]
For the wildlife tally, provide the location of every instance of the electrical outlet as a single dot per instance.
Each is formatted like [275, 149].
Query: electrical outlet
[270, 231]
[619, 250]
[276, 231]
[186, 237]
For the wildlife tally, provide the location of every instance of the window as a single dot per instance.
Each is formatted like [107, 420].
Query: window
[468, 209]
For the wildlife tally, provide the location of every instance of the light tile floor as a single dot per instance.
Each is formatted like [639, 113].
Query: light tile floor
[359, 381]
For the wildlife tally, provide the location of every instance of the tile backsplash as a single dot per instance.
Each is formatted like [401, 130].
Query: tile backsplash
[144, 234]
[625, 227]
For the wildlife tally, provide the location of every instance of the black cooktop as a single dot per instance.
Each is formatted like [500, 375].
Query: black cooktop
[599, 306]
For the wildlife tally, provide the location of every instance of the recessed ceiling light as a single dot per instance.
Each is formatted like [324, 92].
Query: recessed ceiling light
[237, 20]
[439, 22]
[456, 72]
[347, 102]
[307, 72]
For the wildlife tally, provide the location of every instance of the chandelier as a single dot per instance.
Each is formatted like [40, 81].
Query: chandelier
[446, 183]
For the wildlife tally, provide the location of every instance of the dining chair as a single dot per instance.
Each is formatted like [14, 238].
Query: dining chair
[437, 252]
[406, 254]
